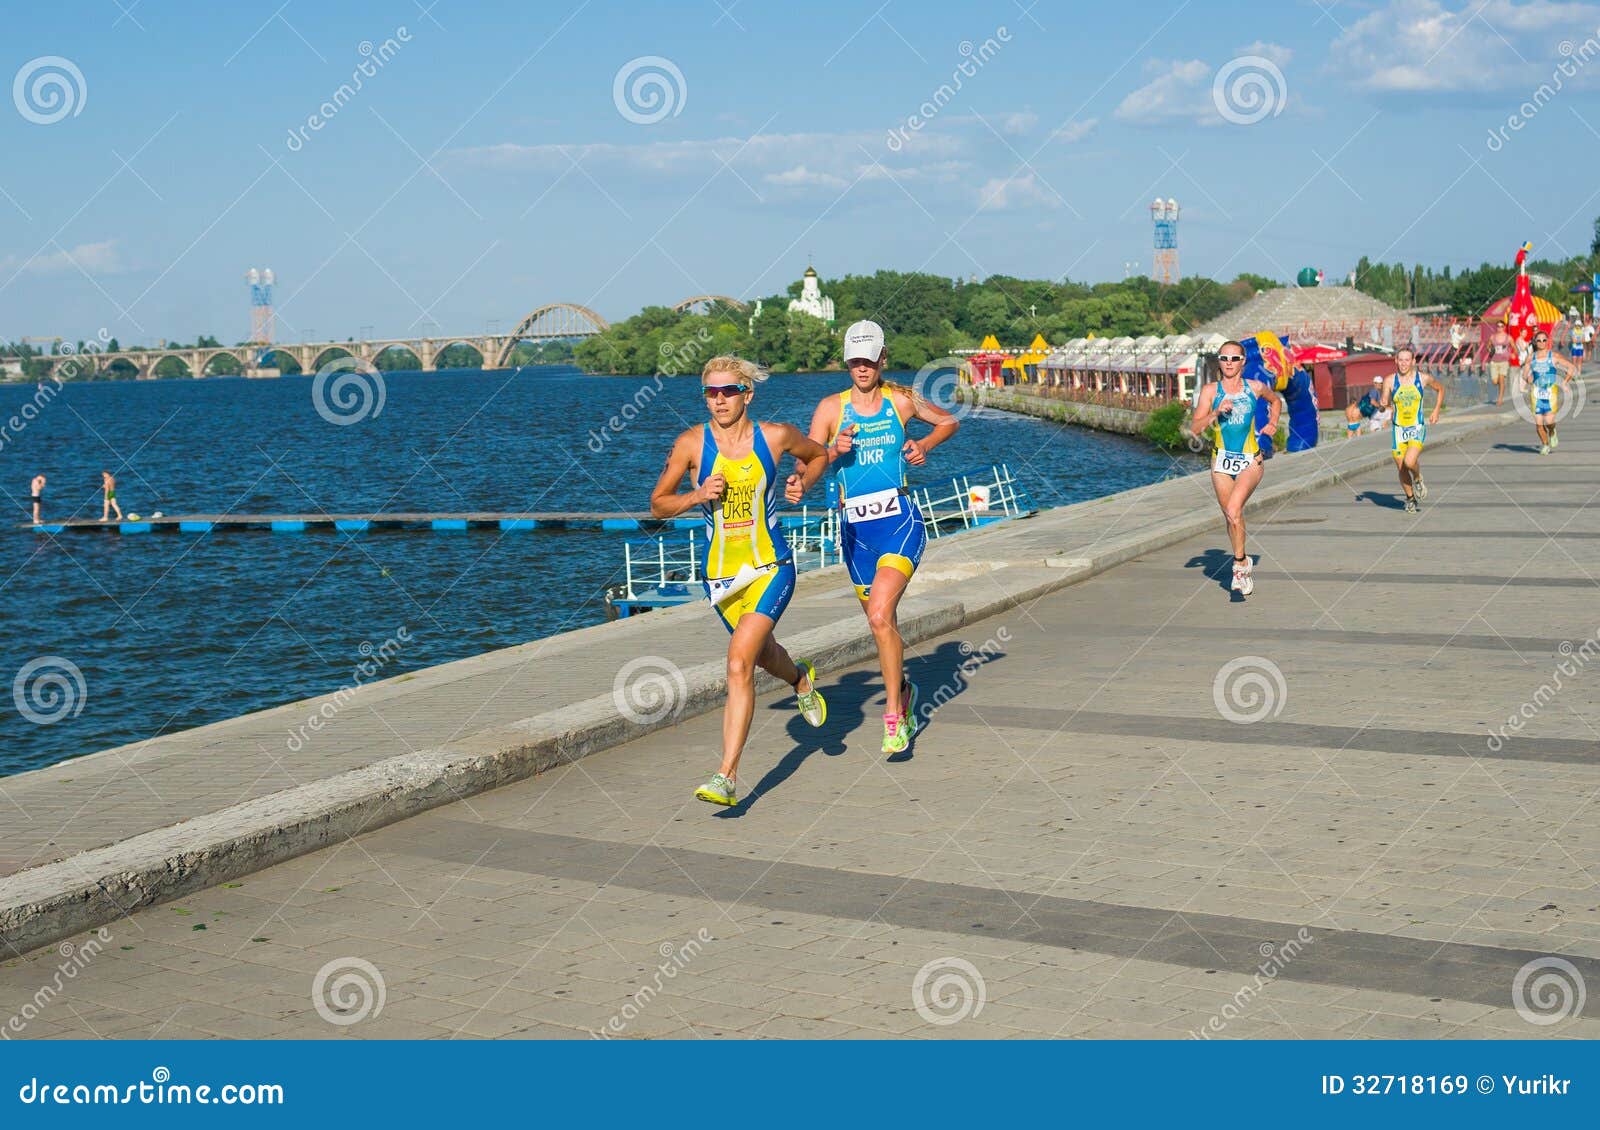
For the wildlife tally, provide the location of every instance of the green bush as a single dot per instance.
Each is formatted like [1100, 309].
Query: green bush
[1165, 428]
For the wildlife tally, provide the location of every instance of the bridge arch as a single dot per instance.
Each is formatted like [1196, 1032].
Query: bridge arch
[331, 353]
[414, 348]
[180, 359]
[711, 300]
[553, 321]
[273, 357]
[476, 347]
[208, 356]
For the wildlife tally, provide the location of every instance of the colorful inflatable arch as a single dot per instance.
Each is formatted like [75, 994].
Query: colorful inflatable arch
[1267, 359]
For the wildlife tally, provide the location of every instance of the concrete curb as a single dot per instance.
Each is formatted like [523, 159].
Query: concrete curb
[57, 900]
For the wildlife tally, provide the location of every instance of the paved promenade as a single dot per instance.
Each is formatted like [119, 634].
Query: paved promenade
[1143, 808]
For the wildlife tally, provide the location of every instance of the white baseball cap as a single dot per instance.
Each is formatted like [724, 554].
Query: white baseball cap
[863, 339]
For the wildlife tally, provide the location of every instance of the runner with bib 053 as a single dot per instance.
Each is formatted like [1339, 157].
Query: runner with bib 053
[1237, 465]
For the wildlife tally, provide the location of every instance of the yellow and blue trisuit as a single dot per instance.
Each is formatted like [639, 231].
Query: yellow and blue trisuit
[1407, 430]
[1544, 395]
[1236, 445]
[880, 525]
[748, 564]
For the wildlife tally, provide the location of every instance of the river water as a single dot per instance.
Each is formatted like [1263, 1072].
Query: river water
[107, 639]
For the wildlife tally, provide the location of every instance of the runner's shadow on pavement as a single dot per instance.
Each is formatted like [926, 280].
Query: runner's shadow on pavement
[847, 698]
[1389, 500]
[1218, 565]
[1522, 448]
[940, 675]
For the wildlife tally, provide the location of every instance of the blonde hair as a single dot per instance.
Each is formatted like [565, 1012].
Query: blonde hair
[749, 372]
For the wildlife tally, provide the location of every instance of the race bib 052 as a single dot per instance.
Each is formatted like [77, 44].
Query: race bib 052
[1231, 462]
[870, 507]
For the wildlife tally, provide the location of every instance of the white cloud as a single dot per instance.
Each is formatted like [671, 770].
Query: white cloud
[1074, 131]
[90, 258]
[1413, 46]
[1185, 91]
[1275, 53]
[1003, 193]
[840, 155]
[800, 175]
[1179, 92]
[1018, 121]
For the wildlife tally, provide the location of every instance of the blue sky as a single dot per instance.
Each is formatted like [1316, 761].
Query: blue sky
[488, 165]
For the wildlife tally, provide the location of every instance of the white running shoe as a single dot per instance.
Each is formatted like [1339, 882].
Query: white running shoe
[1422, 487]
[1247, 583]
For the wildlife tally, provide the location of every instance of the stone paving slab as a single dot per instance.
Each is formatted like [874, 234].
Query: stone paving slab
[1032, 880]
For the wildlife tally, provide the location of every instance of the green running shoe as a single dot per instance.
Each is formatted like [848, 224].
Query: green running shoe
[718, 790]
[813, 707]
[896, 735]
[1555, 440]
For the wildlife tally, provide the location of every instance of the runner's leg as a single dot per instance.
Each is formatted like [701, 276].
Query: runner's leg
[882, 608]
[750, 638]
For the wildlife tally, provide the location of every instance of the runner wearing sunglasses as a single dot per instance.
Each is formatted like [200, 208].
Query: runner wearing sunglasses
[1237, 464]
[882, 531]
[1406, 389]
[1544, 395]
[749, 570]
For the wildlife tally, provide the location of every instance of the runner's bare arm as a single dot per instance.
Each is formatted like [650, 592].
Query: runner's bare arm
[944, 424]
[666, 501]
[1438, 389]
[1204, 412]
[811, 458]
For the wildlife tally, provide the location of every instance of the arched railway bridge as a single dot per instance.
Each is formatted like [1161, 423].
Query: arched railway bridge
[554, 321]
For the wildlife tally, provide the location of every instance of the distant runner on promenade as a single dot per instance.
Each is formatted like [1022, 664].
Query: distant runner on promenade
[1237, 464]
[1501, 351]
[1406, 390]
[37, 493]
[108, 483]
[749, 570]
[881, 530]
[1544, 396]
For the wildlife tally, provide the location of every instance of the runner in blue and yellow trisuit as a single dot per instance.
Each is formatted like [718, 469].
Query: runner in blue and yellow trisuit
[881, 529]
[749, 571]
[1405, 390]
[1544, 395]
[1236, 463]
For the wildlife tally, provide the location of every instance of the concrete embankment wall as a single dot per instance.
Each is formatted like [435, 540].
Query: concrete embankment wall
[1124, 421]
